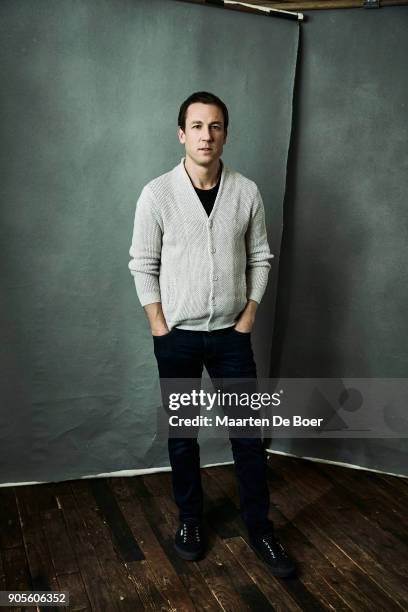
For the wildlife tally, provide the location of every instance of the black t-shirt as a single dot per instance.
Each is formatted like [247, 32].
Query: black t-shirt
[208, 196]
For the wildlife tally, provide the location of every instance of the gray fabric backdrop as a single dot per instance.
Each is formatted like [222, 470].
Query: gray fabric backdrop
[89, 99]
[343, 279]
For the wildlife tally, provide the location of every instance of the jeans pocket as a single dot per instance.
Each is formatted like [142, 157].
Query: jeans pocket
[239, 333]
[163, 336]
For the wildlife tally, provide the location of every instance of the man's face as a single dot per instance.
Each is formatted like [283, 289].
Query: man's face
[204, 135]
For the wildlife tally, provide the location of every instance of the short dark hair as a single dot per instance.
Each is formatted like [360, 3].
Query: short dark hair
[205, 98]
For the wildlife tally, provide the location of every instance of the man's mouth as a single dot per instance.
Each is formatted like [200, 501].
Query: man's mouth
[205, 149]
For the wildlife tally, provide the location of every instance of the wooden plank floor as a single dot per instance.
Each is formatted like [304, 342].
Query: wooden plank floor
[109, 542]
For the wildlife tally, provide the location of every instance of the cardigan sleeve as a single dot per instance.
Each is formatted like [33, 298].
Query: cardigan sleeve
[258, 252]
[146, 249]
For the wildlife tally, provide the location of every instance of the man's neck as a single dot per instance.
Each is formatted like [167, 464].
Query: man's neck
[203, 177]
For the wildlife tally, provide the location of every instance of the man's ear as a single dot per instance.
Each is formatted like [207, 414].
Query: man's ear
[225, 136]
[181, 135]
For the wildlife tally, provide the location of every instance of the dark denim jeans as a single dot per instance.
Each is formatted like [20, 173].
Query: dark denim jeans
[225, 353]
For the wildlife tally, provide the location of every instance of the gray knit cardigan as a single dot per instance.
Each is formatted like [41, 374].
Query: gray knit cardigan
[202, 269]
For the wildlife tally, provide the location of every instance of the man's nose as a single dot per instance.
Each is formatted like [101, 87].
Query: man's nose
[206, 134]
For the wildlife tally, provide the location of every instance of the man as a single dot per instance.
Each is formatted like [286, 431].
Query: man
[200, 264]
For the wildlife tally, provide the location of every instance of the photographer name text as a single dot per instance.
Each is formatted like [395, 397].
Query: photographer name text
[225, 421]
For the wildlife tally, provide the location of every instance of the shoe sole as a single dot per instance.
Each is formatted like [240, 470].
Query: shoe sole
[186, 555]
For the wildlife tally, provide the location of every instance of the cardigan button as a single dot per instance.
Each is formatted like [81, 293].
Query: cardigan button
[215, 278]
[213, 250]
[210, 223]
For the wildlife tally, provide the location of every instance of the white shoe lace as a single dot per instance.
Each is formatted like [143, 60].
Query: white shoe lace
[184, 532]
[265, 541]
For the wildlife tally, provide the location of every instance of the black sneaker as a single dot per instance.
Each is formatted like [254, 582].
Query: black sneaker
[270, 550]
[188, 541]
